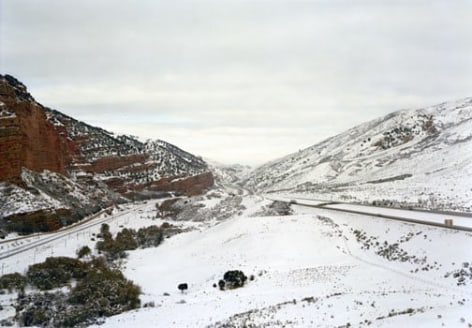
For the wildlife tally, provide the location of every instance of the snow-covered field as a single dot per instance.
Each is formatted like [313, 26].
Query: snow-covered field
[308, 272]
[315, 268]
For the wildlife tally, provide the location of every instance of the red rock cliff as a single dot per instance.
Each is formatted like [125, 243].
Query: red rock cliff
[39, 138]
[27, 139]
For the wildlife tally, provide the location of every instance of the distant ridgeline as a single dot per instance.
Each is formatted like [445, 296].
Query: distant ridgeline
[55, 169]
[419, 158]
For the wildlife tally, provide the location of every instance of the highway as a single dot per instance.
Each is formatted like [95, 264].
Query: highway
[41, 239]
[461, 221]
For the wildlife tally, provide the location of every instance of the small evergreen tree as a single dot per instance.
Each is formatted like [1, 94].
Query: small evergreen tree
[84, 251]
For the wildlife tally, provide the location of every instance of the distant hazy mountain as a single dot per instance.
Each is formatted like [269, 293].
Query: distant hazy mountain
[229, 173]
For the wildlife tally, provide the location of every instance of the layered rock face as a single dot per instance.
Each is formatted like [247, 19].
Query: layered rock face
[190, 186]
[125, 164]
[27, 139]
[66, 168]
[39, 138]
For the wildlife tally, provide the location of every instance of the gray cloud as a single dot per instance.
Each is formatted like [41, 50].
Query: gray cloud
[248, 80]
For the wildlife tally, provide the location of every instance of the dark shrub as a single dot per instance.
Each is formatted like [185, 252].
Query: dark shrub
[105, 231]
[125, 240]
[182, 287]
[167, 208]
[128, 239]
[221, 284]
[149, 237]
[84, 251]
[13, 281]
[100, 291]
[113, 250]
[234, 279]
[105, 292]
[55, 272]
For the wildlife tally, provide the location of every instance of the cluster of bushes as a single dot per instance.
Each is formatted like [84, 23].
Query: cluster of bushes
[40, 221]
[463, 274]
[276, 208]
[129, 239]
[166, 208]
[104, 292]
[56, 272]
[99, 291]
[96, 290]
[233, 279]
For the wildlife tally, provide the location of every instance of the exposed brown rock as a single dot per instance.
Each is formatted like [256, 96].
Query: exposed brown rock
[112, 163]
[189, 186]
[27, 139]
[38, 138]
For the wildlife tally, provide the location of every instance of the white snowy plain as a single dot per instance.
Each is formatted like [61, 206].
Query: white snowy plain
[309, 269]
[308, 273]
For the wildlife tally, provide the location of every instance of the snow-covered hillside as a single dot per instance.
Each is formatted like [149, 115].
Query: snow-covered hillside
[311, 269]
[418, 157]
[55, 169]
[165, 159]
[173, 161]
[51, 191]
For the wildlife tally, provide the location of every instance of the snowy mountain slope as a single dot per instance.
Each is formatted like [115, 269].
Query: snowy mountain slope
[78, 168]
[161, 159]
[418, 157]
[91, 142]
[48, 200]
[311, 269]
[173, 161]
[50, 190]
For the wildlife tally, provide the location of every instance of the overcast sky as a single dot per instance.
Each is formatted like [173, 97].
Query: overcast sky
[237, 81]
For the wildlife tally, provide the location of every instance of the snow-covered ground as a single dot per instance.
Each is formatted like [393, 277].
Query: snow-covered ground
[459, 219]
[315, 268]
[68, 240]
[463, 221]
[420, 158]
[308, 272]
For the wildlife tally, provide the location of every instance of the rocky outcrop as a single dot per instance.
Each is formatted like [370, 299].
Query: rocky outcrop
[125, 164]
[132, 163]
[189, 186]
[39, 138]
[55, 170]
[27, 139]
